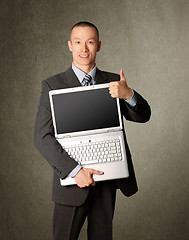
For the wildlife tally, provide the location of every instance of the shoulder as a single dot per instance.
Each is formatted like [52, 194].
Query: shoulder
[53, 80]
[59, 80]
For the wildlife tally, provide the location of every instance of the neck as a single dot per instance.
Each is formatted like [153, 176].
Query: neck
[85, 69]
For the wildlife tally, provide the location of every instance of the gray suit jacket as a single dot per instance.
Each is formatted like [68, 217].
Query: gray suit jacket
[58, 159]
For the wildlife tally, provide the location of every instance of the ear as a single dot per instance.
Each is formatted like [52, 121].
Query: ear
[70, 45]
[99, 46]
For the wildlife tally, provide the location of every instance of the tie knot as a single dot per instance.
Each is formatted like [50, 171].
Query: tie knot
[87, 80]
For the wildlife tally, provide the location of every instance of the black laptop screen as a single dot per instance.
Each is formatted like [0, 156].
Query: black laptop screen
[85, 110]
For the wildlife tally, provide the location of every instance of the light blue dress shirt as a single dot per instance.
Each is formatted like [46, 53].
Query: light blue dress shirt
[80, 75]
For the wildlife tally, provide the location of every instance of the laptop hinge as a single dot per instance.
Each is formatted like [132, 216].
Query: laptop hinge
[67, 136]
[113, 130]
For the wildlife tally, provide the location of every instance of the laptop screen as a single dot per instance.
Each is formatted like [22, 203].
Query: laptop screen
[85, 110]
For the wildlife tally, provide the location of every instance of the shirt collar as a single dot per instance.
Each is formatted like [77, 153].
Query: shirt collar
[80, 74]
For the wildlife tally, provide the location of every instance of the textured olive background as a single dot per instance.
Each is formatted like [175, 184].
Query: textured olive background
[149, 39]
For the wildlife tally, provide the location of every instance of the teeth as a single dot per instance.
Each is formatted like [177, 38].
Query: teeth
[84, 56]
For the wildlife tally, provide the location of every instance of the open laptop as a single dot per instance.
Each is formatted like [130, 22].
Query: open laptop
[88, 125]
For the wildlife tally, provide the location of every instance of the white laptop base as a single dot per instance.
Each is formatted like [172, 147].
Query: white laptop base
[117, 165]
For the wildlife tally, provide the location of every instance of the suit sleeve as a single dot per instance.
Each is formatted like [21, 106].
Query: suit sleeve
[44, 139]
[141, 112]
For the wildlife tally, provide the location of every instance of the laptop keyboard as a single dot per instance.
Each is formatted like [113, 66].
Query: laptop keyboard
[96, 152]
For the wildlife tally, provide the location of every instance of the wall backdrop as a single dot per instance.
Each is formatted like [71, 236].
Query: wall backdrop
[149, 39]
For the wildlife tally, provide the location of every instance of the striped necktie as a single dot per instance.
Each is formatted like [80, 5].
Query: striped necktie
[87, 80]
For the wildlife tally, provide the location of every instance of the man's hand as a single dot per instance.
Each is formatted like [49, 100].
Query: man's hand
[120, 89]
[84, 177]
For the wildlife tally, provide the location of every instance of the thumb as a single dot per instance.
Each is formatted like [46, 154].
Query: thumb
[122, 77]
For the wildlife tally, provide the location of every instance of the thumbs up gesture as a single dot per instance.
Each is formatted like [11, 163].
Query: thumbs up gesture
[120, 89]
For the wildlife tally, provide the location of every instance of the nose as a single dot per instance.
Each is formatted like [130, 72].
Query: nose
[84, 47]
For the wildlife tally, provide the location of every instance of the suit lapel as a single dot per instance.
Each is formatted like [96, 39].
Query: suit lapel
[71, 79]
[100, 77]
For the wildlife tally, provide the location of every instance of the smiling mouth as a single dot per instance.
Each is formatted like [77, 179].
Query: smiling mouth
[84, 56]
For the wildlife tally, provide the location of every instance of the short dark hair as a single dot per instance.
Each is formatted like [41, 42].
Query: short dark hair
[85, 24]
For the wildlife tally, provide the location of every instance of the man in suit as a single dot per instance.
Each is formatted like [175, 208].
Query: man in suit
[96, 201]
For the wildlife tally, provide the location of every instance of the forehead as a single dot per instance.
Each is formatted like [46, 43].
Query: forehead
[83, 32]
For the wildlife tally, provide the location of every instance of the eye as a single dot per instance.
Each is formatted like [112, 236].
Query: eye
[90, 42]
[77, 42]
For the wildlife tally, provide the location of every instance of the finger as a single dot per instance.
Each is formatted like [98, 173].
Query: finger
[114, 88]
[114, 83]
[93, 183]
[113, 96]
[122, 76]
[112, 93]
[93, 171]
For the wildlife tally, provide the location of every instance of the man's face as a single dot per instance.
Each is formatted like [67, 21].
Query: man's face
[84, 45]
